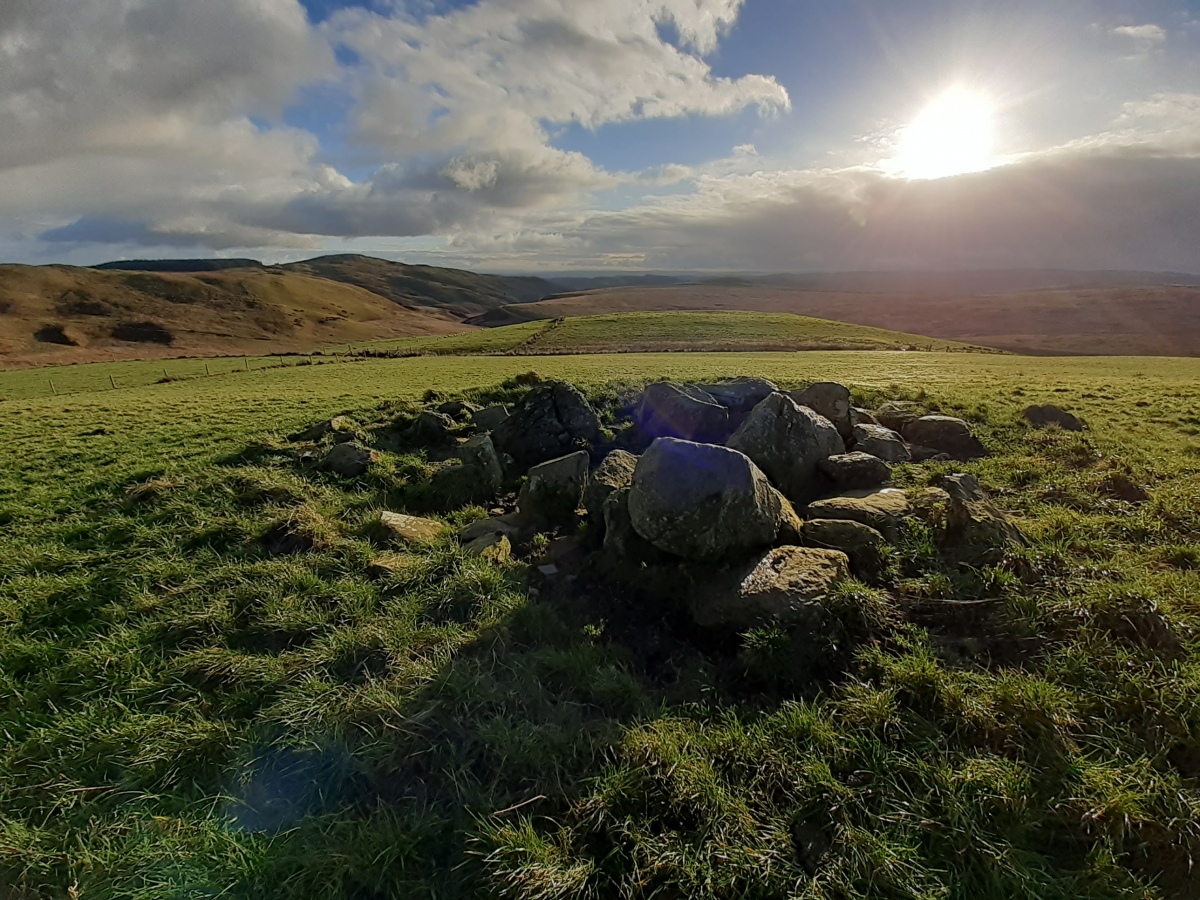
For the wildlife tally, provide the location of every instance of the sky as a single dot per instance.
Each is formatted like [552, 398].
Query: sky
[605, 135]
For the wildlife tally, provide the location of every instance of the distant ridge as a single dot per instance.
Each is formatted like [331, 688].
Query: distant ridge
[178, 265]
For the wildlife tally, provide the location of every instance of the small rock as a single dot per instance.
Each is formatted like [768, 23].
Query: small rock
[495, 547]
[552, 419]
[351, 459]
[856, 471]
[1041, 416]
[318, 431]
[862, 543]
[614, 473]
[859, 416]
[432, 428]
[1122, 487]
[787, 441]
[882, 510]
[490, 418]
[789, 585]
[548, 570]
[898, 414]
[946, 434]
[701, 501]
[680, 411]
[393, 527]
[391, 565]
[881, 442]
[977, 532]
[828, 399]
[555, 489]
[511, 526]
[457, 409]
[921, 454]
[791, 526]
[740, 395]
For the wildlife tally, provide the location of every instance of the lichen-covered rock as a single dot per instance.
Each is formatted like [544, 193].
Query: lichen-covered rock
[681, 411]
[883, 510]
[398, 528]
[881, 442]
[945, 434]
[740, 395]
[350, 459]
[1042, 416]
[856, 471]
[489, 418]
[614, 473]
[787, 441]
[495, 547]
[975, 531]
[789, 585]
[828, 399]
[555, 488]
[862, 543]
[701, 501]
[898, 414]
[551, 420]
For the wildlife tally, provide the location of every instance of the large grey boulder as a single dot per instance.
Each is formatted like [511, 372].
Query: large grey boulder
[681, 411]
[1042, 416]
[862, 543]
[350, 459]
[701, 501]
[856, 471]
[740, 395]
[555, 489]
[552, 419]
[828, 399]
[790, 585]
[883, 510]
[787, 441]
[614, 473]
[881, 442]
[945, 434]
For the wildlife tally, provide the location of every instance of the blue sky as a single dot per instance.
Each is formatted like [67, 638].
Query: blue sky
[544, 135]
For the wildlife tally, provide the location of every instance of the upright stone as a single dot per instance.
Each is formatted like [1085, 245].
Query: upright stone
[787, 441]
[701, 501]
[555, 489]
[614, 473]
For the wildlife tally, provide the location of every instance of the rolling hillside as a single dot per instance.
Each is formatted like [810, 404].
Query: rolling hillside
[60, 314]
[457, 292]
[1153, 320]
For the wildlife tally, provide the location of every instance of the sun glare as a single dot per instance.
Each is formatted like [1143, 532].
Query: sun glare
[952, 136]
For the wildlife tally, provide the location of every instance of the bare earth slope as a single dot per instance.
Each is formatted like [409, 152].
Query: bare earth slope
[62, 314]
[456, 291]
[1157, 320]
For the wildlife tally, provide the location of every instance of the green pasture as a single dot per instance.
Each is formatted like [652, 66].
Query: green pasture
[188, 712]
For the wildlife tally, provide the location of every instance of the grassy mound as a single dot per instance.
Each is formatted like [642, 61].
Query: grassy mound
[658, 332]
[192, 706]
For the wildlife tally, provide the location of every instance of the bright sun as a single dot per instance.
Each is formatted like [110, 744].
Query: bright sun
[952, 136]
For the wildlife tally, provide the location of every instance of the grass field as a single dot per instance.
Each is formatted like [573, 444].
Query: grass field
[186, 714]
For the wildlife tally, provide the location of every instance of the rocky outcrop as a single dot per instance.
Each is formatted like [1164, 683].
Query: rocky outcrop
[828, 399]
[881, 442]
[551, 420]
[945, 434]
[856, 471]
[787, 441]
[701, 501]
[681, 411]
[789, 585]
[554, 490]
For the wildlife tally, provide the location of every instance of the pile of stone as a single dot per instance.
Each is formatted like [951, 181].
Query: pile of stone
[763, 501]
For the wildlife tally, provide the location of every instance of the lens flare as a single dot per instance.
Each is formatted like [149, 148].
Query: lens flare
[953, 135]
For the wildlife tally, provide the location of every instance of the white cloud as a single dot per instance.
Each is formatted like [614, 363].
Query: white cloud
[1145, 34]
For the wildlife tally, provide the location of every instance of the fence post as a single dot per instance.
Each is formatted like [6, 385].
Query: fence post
[113, 382]
[246, 360]
[53, 389]
[206, 372]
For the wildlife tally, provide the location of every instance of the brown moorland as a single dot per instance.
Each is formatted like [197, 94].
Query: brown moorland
[61, 314]
[1125, 320]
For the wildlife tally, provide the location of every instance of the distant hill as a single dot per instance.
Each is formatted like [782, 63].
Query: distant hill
[178, 265]
[62, 314]
[1146, 320]
[455, 291]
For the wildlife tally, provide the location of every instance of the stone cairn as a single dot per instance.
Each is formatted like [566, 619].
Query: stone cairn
[764, 500]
